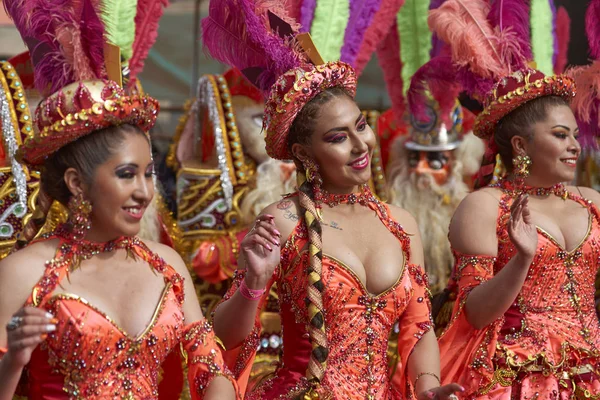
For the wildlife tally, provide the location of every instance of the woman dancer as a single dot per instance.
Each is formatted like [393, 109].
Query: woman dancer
[90, 310]
[526, 247]
[346, 265]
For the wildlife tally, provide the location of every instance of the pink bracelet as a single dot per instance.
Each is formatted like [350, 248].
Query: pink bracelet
[250, 294]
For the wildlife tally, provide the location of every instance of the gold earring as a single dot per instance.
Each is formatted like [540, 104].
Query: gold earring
[521, 165]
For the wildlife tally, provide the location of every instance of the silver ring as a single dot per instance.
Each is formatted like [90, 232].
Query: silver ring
[453, 397]
[14, 323]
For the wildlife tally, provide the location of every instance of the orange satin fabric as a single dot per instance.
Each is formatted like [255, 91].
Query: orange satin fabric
[358, 325]
[546, 344]
[90, 357]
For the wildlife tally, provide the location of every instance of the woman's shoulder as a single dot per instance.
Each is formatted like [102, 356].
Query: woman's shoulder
[587, 193]
[167, 253]
[21, 271]
[473, 225]
[403, 217]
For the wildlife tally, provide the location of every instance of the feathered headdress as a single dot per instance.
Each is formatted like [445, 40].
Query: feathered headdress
[586, 104]
[263, 43]
[77, 49]
[347, 30]
[489, 53]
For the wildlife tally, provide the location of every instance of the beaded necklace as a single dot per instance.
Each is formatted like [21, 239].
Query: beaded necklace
[514, 189]
[333, 199]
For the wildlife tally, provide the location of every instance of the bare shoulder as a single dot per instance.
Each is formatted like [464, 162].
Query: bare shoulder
[20, 272]
[286, 213]
[168, 254]
[473, 226]
[404, 218]
[587, 193]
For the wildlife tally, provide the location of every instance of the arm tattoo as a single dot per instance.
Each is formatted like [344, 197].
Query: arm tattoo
[333, 225]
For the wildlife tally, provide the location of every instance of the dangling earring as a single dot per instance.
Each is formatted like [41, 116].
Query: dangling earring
[312, 172]
[521, 166]
[79, 216]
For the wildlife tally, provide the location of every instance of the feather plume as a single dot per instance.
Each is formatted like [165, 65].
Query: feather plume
[92, 38]
[146, 31]
[307, 13]
[119, 23]
[513, 15]
[586, 104]
[415, 37]
[563, 36]
[436, 44]
[362, 13]
[65, 40]
[438, 77]
[388, 54]
[250, 43]
[542, 37]
[554, 38]
[380, 26]
[328, 27]
[592, 28]
[463, 23]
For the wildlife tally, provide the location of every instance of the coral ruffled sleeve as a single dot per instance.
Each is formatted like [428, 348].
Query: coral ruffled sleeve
[203, 358]
[466, 352]
[415, 322]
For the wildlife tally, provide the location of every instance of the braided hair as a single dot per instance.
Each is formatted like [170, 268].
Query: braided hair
[518, 122]
[301, 132]
[85, 155]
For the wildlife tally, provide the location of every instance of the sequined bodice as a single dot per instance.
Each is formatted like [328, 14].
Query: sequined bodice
[358, 323]
[89, 356]
[555, 308]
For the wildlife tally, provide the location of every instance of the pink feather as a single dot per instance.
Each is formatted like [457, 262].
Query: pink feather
[52, 30]
[379, 27]
[586, 104]
[563, 34]
[249, 42]
[513, 16]
[388, 54]
[147, 17]
[475, 44]
[438, 76]
[592, 28]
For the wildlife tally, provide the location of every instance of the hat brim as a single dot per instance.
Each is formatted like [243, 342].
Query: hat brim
[138, 110]
[439, 147]
[561, 86]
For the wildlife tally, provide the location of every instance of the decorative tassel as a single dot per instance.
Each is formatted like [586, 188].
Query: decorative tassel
[415, 37]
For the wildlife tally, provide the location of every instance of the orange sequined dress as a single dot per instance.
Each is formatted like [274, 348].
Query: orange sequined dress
[546, 345]
[90, 357]
[358, 324]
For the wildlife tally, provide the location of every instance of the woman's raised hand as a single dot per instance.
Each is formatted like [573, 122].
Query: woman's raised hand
[261, 251]
[521, 229]
[25, 331]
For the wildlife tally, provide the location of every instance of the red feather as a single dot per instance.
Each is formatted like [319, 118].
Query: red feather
[146, 31]
[563, 34]
[388, 54]
[379, 27]
[592, 28]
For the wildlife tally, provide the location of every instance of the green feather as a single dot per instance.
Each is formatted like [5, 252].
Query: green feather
[329, 26]
[415, 38]
[119, 24]
[542, 39]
